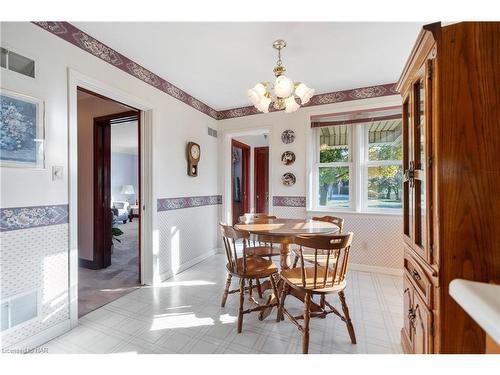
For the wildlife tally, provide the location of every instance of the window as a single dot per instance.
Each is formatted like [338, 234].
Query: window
[357, 163]
[334, 167]
[384, 168]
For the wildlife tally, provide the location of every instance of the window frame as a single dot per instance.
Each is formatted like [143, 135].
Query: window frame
[358, 172]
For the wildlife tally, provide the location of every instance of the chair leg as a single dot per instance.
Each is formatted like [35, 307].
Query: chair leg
[280, 315]
[348, 322]
[250, 289]
[295, 261]
[307, 315]
[276, 293]
[322, 301]
[226, 290]
[259, 288]
[242, 300]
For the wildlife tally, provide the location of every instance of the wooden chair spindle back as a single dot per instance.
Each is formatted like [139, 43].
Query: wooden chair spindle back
[230, 236]
[332, 271]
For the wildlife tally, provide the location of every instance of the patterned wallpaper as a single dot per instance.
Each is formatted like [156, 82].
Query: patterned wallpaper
[15, 218]
[377, 239]
[168, 204]
[36, 258]
[320, 99]
[186, 235]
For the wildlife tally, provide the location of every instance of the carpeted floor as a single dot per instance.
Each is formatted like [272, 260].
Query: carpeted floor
[99, 287]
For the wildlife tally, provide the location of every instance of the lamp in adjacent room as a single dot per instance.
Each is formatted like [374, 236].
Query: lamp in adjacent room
[128, 190]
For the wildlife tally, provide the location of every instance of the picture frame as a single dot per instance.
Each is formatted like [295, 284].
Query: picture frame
[22, 130]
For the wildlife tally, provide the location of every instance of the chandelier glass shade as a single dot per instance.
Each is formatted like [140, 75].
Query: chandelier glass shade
[283, 93]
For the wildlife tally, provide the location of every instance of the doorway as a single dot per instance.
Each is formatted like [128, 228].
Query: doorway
[108, 200]
[240, 178]
[250, 159]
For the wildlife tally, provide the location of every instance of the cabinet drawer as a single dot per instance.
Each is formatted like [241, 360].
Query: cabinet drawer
[419, 278]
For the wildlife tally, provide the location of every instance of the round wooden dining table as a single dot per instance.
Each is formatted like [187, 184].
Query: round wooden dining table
[283, 232]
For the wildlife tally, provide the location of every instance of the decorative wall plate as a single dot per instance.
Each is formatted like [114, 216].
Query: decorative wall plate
[288, 179]
[288, 158]
[288, 136]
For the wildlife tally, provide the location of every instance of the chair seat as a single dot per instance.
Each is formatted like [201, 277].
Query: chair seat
[309, 257]
[256, 267]
[263, 251]
[293, 276]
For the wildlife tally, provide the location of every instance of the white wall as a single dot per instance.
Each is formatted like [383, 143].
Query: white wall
[174, 124]
[377, 238]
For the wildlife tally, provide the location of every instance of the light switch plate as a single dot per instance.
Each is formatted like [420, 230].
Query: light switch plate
[57, 173]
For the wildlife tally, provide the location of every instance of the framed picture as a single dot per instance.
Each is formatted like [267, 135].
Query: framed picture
[22, 130]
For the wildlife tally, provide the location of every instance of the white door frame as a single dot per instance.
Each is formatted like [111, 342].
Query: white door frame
[77, 79]
[227, 136]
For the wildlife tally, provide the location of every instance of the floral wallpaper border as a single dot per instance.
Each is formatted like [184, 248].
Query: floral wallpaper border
[15, 218]
[77, 37]
[289, 201]
[169, 204]
[320, 99]
[80, 39]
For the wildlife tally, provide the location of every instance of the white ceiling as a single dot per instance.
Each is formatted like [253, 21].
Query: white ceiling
[124, 138]
[216, 62]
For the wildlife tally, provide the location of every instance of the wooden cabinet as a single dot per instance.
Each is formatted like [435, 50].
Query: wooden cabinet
[451, 187]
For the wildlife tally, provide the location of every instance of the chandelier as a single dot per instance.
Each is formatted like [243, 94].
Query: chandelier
[284, 91]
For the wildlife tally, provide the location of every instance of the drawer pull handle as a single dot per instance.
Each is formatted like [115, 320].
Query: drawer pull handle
[416, 275]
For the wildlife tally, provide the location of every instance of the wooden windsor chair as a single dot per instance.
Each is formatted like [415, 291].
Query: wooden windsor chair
[309, 257]
[245, 267]
[318, 279]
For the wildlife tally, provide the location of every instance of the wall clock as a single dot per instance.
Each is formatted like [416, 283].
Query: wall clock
[193, 156]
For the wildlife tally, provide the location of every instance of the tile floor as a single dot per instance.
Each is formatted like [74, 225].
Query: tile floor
[182, 315]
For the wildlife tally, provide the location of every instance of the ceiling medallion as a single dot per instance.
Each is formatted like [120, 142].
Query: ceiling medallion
[284, 91]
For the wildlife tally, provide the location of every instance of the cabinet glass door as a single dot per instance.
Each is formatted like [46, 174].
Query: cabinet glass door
[421, 155]
[407, 168]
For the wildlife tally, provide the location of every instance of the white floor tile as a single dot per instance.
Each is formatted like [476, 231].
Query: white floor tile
[183, 315]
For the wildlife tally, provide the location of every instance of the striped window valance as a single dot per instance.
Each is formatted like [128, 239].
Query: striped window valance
[384, 125]
[358, 117]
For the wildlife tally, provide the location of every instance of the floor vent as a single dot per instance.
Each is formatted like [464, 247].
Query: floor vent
[19, 309]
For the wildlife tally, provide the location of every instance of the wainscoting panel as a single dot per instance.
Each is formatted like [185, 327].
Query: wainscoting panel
[377, 242]
[186, 235]
[35, 258]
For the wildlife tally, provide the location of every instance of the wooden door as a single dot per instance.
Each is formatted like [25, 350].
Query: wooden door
[103, 215]
[240, 171]
[261, 179]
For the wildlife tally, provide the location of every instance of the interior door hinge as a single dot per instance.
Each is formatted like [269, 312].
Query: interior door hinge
[429, 71]
[429, 161]
[431, 250]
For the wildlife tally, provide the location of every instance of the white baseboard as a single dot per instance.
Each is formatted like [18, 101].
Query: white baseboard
[189, 264]
[376, 269]
[40, 338]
